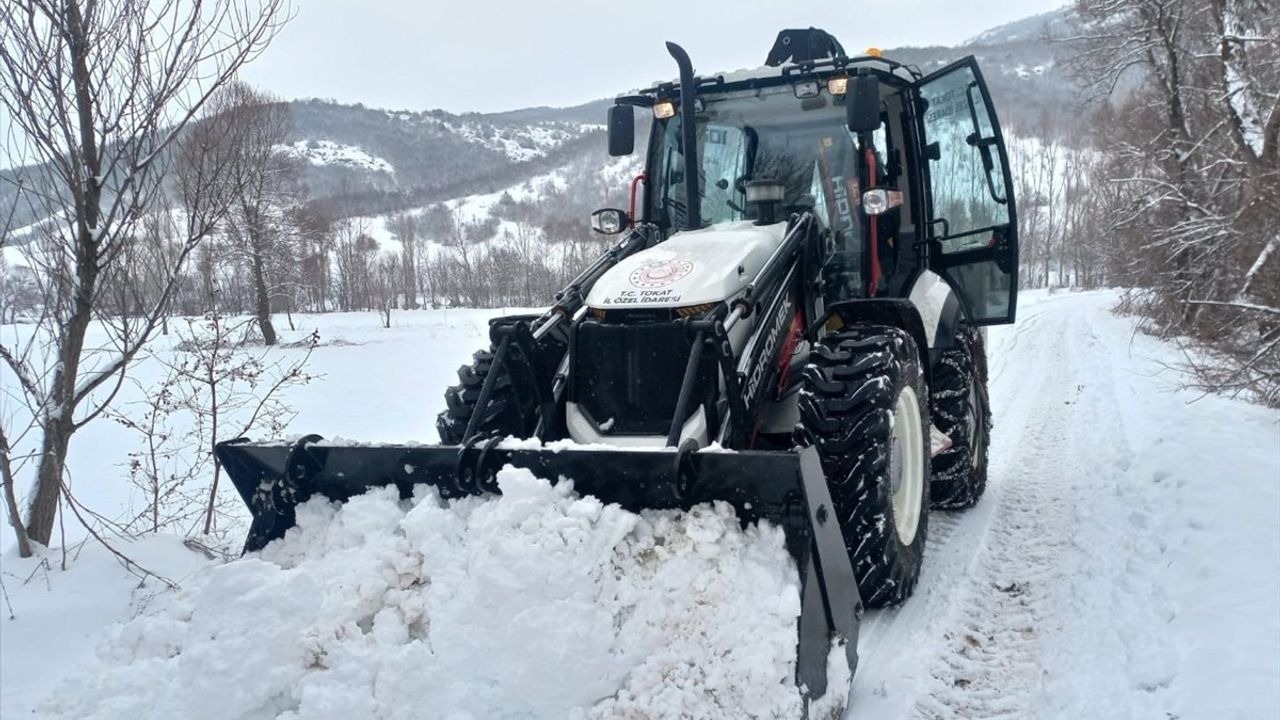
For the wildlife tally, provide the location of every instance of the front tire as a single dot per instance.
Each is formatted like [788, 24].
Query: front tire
[864, 406]
[508, 414]
[961, 410]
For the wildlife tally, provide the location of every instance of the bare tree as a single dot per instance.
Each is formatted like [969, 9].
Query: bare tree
[404, 227]
[100, 94]
[386, 277]
[1195, 155]
[257, 125]
[525, 244]
[353, 256]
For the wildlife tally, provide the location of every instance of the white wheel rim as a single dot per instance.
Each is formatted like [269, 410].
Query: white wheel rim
[906, 465]
[976, 436]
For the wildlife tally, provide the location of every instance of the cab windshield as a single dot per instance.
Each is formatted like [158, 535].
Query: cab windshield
[755, 135]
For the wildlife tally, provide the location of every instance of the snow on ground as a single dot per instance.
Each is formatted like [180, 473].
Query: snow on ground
[49, 617]
[537, 604]
[327, 152]
[1124, 563]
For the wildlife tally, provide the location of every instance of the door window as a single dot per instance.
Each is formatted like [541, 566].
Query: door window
[973, 218]
[967, 179]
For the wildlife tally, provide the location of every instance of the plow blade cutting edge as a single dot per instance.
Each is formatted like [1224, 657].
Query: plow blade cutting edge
[784, 488]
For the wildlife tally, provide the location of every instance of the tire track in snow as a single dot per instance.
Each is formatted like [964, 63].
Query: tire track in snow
[1116, 547]
[1046, 600]
[1071, 533]
[897, 646]
[989, 666]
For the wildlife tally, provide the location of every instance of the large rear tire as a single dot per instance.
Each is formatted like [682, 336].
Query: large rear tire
[961, 410]
[864, 406]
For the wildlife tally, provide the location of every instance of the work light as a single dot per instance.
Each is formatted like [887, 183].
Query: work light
[806, 89]
[880, 201]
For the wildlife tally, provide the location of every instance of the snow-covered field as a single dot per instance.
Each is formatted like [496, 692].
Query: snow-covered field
[1124, 563]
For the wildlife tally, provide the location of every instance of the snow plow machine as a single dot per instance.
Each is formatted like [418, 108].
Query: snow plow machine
[790, 322]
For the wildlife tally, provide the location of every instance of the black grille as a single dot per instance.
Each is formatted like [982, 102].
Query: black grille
[627, 377]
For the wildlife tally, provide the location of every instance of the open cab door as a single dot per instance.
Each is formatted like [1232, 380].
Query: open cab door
[973, 224]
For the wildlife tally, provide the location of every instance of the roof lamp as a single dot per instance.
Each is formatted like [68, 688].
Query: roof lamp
[806, 89]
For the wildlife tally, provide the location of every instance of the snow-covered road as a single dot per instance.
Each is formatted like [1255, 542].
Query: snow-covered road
[1125, 562]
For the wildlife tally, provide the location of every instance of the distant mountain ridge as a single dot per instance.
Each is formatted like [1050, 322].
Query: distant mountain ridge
[432, 155]
[359, 160]
[437, 155]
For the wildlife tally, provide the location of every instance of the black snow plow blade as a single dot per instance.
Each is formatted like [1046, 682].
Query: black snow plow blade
[785, 488]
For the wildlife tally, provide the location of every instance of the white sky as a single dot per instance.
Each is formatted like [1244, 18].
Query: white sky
[488, 55]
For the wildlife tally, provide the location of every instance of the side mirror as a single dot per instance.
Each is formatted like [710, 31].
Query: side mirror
[862, 104]
[622, 130]
[610, 221]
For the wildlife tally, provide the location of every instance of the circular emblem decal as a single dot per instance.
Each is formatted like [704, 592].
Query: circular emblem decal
[660, 274]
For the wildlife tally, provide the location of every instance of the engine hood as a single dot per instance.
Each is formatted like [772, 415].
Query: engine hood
[692, 267]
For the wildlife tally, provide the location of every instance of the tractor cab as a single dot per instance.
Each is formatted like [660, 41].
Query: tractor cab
[903, 172]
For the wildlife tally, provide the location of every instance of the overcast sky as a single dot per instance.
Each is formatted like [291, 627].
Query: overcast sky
[488, 55]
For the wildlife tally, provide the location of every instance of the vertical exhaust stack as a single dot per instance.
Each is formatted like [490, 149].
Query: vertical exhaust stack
[689, 137]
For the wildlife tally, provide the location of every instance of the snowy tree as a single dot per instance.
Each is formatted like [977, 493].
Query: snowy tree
[257, 125]
[100, 94]
[1195, 151]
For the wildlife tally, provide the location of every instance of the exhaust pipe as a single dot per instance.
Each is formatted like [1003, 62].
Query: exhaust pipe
[689, 137]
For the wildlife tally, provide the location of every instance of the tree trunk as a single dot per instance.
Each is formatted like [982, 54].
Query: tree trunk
[212, 381]
[59, 423]
[262, 298]
[11, 499]
[42, 511]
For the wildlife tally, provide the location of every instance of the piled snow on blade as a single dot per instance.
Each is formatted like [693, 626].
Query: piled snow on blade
[533, 604]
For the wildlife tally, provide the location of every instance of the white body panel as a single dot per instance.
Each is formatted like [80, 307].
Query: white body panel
[692, 267]
[582, 431]
[929, 294]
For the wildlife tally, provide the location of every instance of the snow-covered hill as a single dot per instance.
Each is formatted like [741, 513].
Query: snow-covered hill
[366, 161]
[327, 152]
[435, 155]
[1124, 563]
[1055, 23]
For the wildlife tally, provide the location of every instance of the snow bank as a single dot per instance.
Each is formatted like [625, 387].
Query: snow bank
[533, 604]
